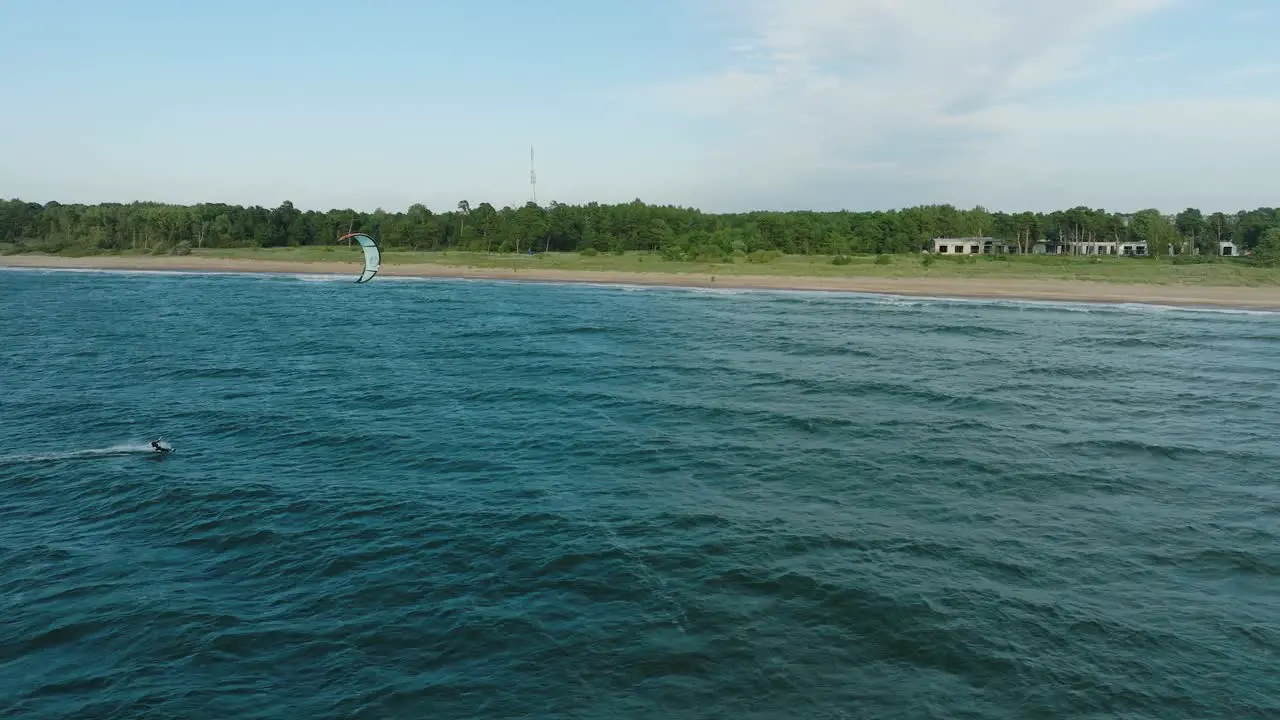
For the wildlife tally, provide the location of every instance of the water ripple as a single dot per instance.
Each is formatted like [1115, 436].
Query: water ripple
[472, 500]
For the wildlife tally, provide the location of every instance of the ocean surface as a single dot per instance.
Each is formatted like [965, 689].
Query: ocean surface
[465, 499]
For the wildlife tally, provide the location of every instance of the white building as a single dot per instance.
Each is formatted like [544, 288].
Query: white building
[1134, 249]
[1227, 248]
[970, 246]
[1093, 248]
[1129, 248]
[957, 246]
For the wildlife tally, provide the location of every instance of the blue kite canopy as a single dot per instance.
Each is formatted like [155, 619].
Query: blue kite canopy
[372, 255]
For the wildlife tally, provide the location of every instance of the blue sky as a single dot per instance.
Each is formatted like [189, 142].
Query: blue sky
[722, 104]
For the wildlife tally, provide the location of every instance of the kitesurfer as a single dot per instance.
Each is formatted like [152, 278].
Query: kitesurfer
[155, 445]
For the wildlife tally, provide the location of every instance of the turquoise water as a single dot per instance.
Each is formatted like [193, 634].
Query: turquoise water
[464, 499]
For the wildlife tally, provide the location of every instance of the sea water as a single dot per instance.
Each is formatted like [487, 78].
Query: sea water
[470, 499]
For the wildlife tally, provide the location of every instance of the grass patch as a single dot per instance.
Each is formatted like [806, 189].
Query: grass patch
[1152, 271]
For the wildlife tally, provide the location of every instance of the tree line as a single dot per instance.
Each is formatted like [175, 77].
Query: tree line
[679, 233]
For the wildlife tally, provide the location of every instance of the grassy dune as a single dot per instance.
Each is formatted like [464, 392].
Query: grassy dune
[1220, 272]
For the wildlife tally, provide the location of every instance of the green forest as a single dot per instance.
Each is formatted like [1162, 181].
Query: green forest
[678, 233]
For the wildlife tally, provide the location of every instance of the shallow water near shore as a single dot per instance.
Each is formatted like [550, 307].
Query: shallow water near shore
[446, 498]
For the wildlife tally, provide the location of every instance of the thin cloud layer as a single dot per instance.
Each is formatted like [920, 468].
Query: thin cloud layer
[943, 101]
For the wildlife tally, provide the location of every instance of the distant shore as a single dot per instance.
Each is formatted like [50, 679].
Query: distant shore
[1063, 290]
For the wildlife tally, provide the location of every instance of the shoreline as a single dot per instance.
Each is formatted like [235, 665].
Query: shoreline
[1215, 296]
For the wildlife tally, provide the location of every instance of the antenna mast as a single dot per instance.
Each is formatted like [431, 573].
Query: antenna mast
[533, 177]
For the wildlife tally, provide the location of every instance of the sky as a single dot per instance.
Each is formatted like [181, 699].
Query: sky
[726, 105]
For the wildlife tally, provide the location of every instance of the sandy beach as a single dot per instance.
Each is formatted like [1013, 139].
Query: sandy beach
[1029, 289]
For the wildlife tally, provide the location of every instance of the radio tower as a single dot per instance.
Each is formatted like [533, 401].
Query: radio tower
[533, 177]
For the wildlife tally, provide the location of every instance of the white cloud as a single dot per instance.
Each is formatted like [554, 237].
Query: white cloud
[1250, 72]
[1167, 154]
[935, 101]
[1250, 15]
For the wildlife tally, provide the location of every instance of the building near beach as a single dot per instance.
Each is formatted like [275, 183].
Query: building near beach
[972, 246]
[1134, 248]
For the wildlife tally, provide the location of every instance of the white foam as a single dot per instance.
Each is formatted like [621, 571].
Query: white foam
[131, 271]
[320, 278]
[1085, 306]
[125, 449]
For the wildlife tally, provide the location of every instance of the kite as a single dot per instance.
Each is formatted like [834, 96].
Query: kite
[372, 255]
